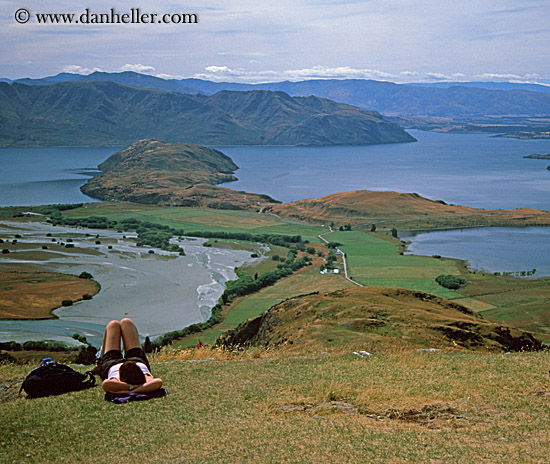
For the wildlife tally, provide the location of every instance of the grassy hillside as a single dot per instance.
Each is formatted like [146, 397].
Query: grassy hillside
[373, 318]
[373, 260]
[403, 211]
[108, 113]
[272, 407]
[170, 174]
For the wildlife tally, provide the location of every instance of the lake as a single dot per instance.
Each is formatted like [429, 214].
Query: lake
[468, 169]
[48, 175]
[493, 249]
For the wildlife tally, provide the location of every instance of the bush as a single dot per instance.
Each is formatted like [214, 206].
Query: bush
[80, 338]
[35, 346]
[86, 296]
[450, 281]
[85, 275]
[6, 358]
[10, 346]
[67, 302]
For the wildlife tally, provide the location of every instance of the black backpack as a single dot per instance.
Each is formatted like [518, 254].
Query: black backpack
[53, 378]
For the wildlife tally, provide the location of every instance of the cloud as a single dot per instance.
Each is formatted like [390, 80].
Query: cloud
[435, 76]
[218, 73]
[139, 68]
[511, 77]
[76, 69]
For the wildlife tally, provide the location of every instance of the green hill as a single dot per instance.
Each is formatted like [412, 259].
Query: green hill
[172, 174]
[376, 317]
[108, 113]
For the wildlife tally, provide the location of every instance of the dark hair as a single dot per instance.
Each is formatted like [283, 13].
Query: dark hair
[131, 373]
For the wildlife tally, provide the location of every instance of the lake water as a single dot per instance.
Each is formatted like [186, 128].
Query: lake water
[493, 249]
[472, 170]
[467, 169]
[47, 175]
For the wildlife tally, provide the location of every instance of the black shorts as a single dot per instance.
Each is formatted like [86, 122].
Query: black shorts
[113, 357]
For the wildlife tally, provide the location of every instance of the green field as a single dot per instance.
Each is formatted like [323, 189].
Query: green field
[196, 219]
[374, 261]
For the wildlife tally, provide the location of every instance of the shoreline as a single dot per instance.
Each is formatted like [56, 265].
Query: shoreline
[159, 291]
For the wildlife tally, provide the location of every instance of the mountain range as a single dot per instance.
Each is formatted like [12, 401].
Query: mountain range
[456, 100]
[110, 113]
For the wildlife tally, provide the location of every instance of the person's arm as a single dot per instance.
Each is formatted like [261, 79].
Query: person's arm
[151, 384]
[115, 386]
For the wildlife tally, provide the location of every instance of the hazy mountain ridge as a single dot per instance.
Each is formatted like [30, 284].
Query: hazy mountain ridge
[108, 113]
[438, 99]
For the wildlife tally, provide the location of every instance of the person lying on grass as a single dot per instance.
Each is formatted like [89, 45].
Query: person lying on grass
[128, 374]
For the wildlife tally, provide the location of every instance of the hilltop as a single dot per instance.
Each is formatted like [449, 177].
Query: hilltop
[109, 113]
[518, 109]
[405, 210]
[376, 318]
[172, 174]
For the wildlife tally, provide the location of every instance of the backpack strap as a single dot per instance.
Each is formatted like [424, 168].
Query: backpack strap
[88, 381]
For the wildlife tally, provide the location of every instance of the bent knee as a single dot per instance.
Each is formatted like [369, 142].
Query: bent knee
[113, 324]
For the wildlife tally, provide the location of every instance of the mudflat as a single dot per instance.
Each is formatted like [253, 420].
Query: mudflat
[161, 291]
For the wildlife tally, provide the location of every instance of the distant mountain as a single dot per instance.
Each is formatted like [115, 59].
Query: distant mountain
[108, 113]
[488, 85]
[409, 100]
[127, 77]
[455, 100]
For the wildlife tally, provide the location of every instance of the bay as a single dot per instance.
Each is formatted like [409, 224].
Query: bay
[492, 249]
[48, 175]
[467, 169]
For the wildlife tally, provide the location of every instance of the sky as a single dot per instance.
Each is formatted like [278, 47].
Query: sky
[274, 40]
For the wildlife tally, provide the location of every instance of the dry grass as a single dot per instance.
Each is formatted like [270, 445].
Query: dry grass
[33, 295]
[281, 407]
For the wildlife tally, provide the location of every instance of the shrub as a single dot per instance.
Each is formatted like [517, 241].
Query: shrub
[80, 338]
[35, 346]
[85, 275]
[67, 302]
[450, 281]
[86, 296]
[10, 346]
[6, 358]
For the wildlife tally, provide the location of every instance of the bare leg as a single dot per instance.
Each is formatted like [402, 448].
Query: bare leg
[130, 335]
[111, 337]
